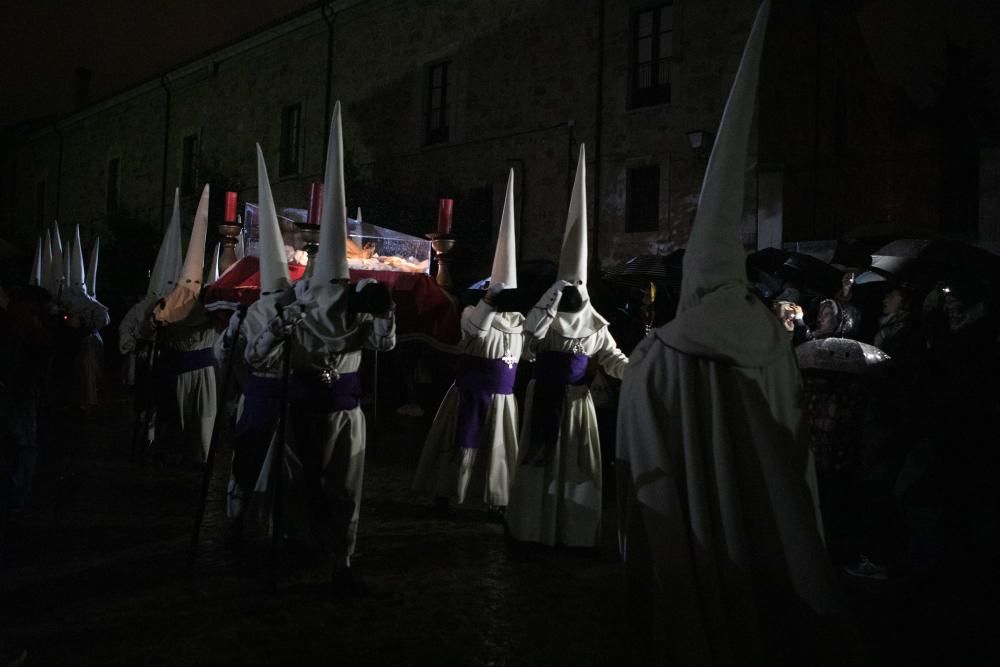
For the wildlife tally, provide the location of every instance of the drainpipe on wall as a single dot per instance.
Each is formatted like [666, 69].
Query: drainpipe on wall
[598, 127]
[329, 17]
[59, 164]
[166, 145]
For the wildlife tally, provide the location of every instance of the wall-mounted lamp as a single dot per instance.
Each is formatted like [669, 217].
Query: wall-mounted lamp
[699, 139]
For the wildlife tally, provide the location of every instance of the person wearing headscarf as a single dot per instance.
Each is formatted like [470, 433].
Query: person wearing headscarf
[718, 526]
[472, 444]
[556, 496]
[327, 327]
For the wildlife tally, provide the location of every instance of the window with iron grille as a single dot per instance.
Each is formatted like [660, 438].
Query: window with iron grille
[40, 203]
[189, 165]
[642, 199]
[437, 104]
[113, 184]
[652, 52]
[291, 132]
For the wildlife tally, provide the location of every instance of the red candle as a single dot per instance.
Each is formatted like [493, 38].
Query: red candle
[230, 207]
[444, 216]
[315, 203]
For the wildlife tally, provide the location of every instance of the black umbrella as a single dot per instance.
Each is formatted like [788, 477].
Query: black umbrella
[640, 270]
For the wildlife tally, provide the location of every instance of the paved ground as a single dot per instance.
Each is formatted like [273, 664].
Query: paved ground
[96, 575]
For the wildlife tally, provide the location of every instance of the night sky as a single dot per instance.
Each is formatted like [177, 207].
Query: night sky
[123, 42]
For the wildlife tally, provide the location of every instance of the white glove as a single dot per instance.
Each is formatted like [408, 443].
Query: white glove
[289, 318]
[364, 282]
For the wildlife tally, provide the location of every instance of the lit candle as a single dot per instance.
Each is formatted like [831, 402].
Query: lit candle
[444, 216]
[315, 203]
[230, 207]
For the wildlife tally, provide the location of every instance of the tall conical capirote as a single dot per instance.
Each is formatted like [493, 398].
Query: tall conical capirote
[47, 263]
[213, 269]
[193, 268]
[58, 274]
[331, 257]
[77, 277]
[715, 255]
[35, 277]
[573, 257]
[505, 256]
[274, 276]
[95, 256]
[167, 267]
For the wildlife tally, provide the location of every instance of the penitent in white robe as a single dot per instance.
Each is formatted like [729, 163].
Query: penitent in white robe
[326, 461]
[449, 470]
[90, 316]
[556, 499]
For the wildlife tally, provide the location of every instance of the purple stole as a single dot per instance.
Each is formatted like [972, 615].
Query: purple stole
[478, 381]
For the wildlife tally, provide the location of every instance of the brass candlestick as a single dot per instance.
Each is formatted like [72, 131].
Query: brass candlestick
[310, 236]
[443, 245]
[229, 233]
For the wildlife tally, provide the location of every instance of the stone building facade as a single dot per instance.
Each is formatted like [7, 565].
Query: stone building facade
[524, 83]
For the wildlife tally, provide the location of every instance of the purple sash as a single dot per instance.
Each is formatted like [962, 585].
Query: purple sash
[478, 381]
[176, 362]
[342, 393]
[554, 371]
[261, 403]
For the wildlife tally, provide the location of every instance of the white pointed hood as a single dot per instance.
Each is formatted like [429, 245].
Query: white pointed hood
[193, 269]
[358, 218]
[183, 303]
[47, 263]
[95, 254]
[274, 277]
[77, 277]
[213, 269]
[573, 257]
[58, 267]
[505, 255]
[35, 278]
[167, 267]
[573, 265]
[331, 257]
[717, 317]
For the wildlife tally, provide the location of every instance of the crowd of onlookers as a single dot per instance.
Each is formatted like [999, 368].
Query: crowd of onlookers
[905, 450]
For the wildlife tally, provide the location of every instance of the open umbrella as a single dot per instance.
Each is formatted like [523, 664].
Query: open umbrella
[842, 355]
[640, 270]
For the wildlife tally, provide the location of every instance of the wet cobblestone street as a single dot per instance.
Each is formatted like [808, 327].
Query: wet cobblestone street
[96, 572]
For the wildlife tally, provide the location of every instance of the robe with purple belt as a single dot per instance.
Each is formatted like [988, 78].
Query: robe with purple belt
[556, 496]
[471, 448]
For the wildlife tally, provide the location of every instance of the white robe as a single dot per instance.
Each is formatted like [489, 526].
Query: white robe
[193, 392]
[90, 316]
[718, 517]
[560, 502]
[446, 469]
[325, 464]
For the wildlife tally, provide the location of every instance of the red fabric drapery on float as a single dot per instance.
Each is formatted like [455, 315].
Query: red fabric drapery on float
[424, 311]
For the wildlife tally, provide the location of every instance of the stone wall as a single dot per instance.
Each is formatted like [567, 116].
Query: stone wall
[524, 79]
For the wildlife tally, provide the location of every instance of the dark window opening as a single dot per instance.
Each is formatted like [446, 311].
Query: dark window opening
[189, 165]
[40, 203]
[291, 131]
[113, 184]
[437, 104]
[652, 53]
[642, 199]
